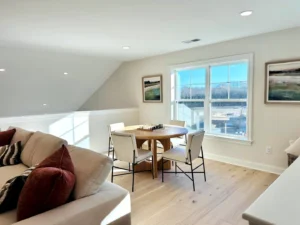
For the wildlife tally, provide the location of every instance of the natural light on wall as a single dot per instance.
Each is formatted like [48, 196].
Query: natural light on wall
[215, 95]
[74, 128]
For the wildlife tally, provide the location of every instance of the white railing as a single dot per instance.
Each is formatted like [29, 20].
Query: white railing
[88, 129]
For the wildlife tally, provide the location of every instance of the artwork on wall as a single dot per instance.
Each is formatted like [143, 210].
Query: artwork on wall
[283, 82]
[152, 88]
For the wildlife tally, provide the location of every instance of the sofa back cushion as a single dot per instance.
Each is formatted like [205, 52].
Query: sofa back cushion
[91, 170]
[20, 135]
[39, 147]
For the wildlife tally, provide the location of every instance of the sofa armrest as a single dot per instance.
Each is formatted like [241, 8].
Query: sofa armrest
[111, 205]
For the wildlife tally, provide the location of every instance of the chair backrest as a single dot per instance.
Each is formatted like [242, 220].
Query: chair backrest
[115, 127]
[179, 123]
[124, 145]
[194, 144]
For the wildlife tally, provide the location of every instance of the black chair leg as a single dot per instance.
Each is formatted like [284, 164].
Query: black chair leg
[152, 169]
[132, 177]
[175, 168]
[112, 169]
[192, 171]
[162, 169]
[112, 174]
[203, 164]
[109, 140]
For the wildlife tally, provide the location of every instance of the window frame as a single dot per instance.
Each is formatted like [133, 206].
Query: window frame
[207, 64]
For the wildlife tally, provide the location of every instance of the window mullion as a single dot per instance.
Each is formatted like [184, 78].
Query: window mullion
[228, 81]
[207, 100]
[175, 108]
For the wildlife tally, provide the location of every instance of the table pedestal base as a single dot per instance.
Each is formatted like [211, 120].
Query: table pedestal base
[146, 165]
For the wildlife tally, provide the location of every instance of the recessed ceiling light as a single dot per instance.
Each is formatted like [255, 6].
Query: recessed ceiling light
[2, 70]
[65, 73]
[246, 13]
[44, 104]
[126, 47]
[191, 41]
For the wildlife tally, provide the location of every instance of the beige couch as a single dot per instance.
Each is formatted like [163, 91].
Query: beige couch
[96, 200]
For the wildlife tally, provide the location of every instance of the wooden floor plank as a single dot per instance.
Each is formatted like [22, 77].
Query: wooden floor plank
[221, 200]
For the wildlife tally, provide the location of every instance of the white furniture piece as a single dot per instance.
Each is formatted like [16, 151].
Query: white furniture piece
[126, 150]
[178, 140]
[280, 203]
[187, 155]
[96, 201]
[111, 128]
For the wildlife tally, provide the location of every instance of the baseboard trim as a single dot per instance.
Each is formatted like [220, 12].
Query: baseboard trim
[247, 164]
[238, 162]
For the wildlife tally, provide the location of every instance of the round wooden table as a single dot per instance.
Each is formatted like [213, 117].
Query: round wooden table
[162, 135]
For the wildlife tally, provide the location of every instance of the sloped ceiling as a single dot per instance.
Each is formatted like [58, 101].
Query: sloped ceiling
[33, 78]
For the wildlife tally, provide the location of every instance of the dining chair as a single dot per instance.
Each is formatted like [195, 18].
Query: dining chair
[178, 140]
[125, 149]
[188, 155]
[111, 128]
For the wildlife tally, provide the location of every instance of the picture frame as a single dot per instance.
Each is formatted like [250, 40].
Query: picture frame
[282, 82]
[152, 89]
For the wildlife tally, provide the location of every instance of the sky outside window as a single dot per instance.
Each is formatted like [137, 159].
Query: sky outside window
[193, 76]
[219, 74]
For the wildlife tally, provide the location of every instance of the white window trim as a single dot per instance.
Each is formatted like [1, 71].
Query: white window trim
[249, 57]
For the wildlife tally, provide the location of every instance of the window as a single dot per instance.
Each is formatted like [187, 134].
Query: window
[215, 96]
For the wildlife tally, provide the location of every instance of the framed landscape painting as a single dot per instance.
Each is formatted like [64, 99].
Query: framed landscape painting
[283, 82]
[152, 88]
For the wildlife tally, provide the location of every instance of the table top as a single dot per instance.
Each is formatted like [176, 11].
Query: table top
[165, 133]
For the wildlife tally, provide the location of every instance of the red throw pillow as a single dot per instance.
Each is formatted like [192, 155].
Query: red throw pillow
[6, 136]
[48, 186]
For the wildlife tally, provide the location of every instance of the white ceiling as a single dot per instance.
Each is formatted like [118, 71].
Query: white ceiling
[39, 40]
[150, 27]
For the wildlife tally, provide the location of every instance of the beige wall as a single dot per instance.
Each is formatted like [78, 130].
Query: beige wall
[272, 125]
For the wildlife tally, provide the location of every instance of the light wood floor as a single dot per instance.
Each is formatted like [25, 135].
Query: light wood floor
[228, 192]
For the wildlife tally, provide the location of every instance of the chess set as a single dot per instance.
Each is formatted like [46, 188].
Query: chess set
[150, 127]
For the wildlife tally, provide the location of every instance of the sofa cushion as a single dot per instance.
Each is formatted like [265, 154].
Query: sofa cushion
[6, 137]
[8, 218]
[21, 135]
[8, 172]
[39, 147]
[10, 154]
[91, 170]
[10, 192]
[48, 186]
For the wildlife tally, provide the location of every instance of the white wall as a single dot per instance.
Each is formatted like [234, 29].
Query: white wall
[93, 125]
[273, 125]
[36, 76]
